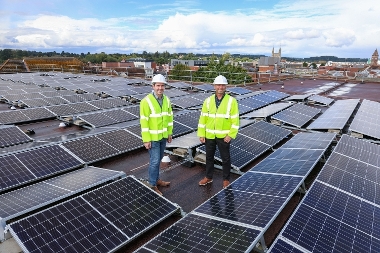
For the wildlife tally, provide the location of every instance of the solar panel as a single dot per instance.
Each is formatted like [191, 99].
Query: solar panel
[12, 135]
[277, 94]
[336, 116]
[62, 110]
[188, 119]
[267, 110]
[102, 103]
[34, 164]
[186, 102]
[32, 197]
[296, 115]
[121, 140]
[102, 220]
[367, 119]
[251, 103]
[48, 160]
[83, 107]
[90, 149]
[265, 132]
[195, 233]
[38, 102]
[180, 129]
[175, 93]
[11, 117]
[320, 99]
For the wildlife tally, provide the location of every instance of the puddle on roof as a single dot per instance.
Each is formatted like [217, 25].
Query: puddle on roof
[343, 90]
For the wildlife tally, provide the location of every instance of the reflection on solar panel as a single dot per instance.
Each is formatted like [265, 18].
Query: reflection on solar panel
[134, 129]
[298, 97]
[336, 116]
[102, 220]
[251, 142]
[296, 115]
[277, 94]
[195, 233]
[180, 85]
[12, 135]
[29, 198]
[344, 200]
[367, 119]
[267, 110]
[204, 87]
[320, 99]
[175, 93]
[133, 109]
[34, 164]
[238, 90]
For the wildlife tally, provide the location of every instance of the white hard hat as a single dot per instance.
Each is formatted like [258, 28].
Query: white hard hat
[220, 80]
[159, 79]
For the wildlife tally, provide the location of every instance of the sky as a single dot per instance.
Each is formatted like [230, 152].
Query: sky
[301, 28]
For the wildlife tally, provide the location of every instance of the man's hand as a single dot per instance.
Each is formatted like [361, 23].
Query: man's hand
[227, 139]
[202, 139]
[169, 139]
[147, 145]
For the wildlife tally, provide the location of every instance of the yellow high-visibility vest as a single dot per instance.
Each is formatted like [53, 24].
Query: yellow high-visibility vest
[219, 122]
[156, 121]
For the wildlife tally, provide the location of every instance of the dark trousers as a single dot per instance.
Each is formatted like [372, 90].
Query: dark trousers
[224, 150]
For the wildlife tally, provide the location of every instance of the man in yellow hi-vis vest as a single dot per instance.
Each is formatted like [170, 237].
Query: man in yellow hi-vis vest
[218, 125]
[156, 120]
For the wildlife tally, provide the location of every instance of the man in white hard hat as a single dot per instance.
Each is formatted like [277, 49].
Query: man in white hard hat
[156, 120]
[218, 125]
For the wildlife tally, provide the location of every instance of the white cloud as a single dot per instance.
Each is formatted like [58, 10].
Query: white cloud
[301, 28]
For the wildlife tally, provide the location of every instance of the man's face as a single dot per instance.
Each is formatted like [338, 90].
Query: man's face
[220, 88]
[159, 88]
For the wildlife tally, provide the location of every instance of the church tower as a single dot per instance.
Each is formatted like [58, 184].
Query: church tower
[375, 58]
[276, 54]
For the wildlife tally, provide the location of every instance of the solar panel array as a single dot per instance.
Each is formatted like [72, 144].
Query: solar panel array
[238, 90]
[102, 220]
[367, 119]
[32, 197]
[341, 211]
[296, 115]
[251, 142]
[336, 116]
[320, 99]
[236, 218]
[12, 135]
[101, 146]
[30, 165]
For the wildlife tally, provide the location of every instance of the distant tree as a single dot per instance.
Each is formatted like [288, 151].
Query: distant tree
[304, 64]
[180, 72]
[314, 65]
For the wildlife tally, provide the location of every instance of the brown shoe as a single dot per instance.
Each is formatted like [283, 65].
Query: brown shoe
[162, 183]
[154, 188]
[205, 181]
[226, 183]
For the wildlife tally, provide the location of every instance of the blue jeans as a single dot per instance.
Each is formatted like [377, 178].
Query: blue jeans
[156, 152]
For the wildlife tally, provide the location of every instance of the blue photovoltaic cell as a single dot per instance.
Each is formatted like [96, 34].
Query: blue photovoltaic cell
[195, 233]
[48, 160]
